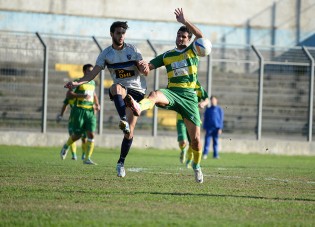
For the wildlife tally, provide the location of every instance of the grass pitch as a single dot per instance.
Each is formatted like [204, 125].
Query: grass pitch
[38, 189]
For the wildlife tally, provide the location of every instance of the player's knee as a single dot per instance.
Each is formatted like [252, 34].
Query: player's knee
[129, 136]
[90, 135]
[196, 144]
[117, 89]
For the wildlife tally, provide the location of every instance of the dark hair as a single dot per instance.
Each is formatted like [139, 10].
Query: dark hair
[86, 66]
[118, 24]
[185, 29]
[213, 96]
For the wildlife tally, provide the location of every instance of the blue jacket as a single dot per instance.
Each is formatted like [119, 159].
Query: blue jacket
[213, 118]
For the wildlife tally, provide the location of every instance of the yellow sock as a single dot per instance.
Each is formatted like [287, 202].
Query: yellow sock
[197, 158]
[73, 148]
[189, 154]
[146, 104]
[89, 149]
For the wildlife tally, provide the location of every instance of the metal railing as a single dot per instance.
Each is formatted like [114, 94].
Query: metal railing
[265, 91]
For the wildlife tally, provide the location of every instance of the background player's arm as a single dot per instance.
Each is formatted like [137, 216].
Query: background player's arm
[63, 109]
[97, 106]
[181, 19]
[60, 115]
[73, 95]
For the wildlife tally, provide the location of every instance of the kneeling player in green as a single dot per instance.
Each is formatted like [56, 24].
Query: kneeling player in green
[83, 118]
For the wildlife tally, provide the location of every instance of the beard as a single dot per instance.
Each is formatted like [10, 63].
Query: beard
[180, 45]
[116, 42]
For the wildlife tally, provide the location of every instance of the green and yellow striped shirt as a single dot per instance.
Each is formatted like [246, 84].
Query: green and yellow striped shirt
[181, 67]
[88, 89]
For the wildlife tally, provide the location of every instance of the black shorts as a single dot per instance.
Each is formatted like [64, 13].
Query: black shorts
[136, 95]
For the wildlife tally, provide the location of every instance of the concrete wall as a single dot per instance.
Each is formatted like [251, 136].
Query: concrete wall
[211, 12]
[266, 146]
[155, 20]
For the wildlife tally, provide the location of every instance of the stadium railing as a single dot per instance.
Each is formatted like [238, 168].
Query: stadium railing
[264, 91]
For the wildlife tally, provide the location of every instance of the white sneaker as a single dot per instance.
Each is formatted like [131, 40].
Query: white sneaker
[204, 156]
[120, 170]
[133, 105]
[63, 153]
[124, 126]
[198, 175]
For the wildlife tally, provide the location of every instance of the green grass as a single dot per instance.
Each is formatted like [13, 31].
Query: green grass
[38, 189]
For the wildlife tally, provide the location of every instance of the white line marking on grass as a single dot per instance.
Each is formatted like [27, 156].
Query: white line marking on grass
[137, 170]
[267, 179]
[221, 168]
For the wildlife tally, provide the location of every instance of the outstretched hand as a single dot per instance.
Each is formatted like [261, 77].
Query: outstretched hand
[143, 67]
[180, 15]
[71, 85]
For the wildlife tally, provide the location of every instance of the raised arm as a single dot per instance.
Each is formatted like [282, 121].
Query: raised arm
[181, 19]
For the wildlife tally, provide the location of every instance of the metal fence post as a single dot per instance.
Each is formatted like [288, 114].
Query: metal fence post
[209, 76]
[311, 95]
[260, 91]
[101, 93]
[156, 86]
[45, 84]
[298, 21]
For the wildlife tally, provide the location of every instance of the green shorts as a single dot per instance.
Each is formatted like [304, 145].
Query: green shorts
[71, 130]
[184, 103]
[70, 126]
[82, 120]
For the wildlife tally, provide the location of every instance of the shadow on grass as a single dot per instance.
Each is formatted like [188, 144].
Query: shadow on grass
[225, 196]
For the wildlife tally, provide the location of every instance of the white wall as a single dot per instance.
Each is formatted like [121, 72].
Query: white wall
[211, 12]
[155, 19]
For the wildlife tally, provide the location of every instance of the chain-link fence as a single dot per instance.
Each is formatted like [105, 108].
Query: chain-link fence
[264, 91]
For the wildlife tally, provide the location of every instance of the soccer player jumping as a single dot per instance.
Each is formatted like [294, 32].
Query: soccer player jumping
[181, 64]
[126, 67]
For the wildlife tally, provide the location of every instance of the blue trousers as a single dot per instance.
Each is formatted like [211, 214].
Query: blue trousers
[214, 134]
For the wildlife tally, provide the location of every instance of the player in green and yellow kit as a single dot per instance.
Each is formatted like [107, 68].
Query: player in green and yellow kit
[182, 136]
[73, 148]
[83, 117]
[181, 64]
